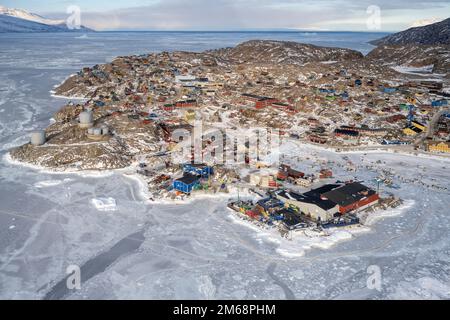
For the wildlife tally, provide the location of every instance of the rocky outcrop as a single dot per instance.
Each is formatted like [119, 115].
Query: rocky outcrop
[434, 34]
[283, 52]
[68, 113]
[437, 57]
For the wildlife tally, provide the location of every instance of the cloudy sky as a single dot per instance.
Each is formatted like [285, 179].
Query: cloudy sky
[244, 14]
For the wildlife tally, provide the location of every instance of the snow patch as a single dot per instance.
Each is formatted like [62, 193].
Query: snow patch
[105, 204]
[379, 215]
[47, 184]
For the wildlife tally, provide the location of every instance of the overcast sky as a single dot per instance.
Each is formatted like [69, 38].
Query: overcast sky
[242, 14]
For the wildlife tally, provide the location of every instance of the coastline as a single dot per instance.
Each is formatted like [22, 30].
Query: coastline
[54, 95]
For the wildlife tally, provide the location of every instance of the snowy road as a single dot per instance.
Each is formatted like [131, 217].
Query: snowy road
[198, 250]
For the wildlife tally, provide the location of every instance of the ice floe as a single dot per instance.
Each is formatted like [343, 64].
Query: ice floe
[105, 204]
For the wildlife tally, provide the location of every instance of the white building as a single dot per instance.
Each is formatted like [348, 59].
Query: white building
[316, 208]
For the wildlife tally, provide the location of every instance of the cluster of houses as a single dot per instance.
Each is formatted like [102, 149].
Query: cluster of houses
[262, 102]
[332, 205]
[347, 107]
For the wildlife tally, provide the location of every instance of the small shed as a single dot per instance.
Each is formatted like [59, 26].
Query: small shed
[198, 169]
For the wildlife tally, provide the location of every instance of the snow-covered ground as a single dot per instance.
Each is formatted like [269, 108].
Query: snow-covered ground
[420, 71]
[196, 250]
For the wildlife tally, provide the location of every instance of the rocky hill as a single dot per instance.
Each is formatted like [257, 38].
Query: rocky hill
[434, 59]
[434, 34]
[282, 52]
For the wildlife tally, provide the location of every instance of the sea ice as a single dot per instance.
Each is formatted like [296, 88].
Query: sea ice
[47, 184]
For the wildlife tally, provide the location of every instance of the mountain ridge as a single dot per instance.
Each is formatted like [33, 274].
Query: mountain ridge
[22, 21]
[284, 52]
[434, 34]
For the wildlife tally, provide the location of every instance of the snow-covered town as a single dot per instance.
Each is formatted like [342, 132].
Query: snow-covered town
[217, 123]
[271, 151]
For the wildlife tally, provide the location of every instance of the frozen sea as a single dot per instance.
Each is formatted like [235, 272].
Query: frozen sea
[130, 249]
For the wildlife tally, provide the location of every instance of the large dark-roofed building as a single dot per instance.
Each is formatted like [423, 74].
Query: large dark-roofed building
[325, 203]
[324, 189]
[351, 196]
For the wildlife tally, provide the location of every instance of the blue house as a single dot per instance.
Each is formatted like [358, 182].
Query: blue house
[198, 170]
[329, 91]
[439, 103]
[99, 103]
[389, 90]
[186, 184]
[358, 82]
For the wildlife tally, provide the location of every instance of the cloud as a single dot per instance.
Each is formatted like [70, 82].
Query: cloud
[424, 22]
[260, 14]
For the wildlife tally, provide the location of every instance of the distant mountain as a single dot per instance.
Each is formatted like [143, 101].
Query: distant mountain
[433, 34]
[284, 52]
[17, 20]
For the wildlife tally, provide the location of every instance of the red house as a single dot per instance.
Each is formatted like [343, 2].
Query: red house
[287, 171]
[264, 102]
[283, 106]
[260, 101]
[352, 196]
[317, 139]
[325, 174]
[186, 104]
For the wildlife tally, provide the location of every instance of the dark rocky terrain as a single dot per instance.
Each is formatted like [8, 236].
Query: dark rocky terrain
[437, 56]
[425, 47]
[433, 34]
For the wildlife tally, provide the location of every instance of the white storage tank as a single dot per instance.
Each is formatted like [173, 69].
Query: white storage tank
[265, 181]
[255, 179]
[105, 131]
[97, 132]
[38, 138]
[86, 119]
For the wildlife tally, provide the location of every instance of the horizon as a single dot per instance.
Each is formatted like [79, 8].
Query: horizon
[242, 16]
[247, 31]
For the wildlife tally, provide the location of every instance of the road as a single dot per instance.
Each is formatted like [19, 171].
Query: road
[434, 122]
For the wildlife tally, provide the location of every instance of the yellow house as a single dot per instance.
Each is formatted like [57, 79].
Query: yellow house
[412, 131]
[412, 100]
[189, 115]
[443, 147]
